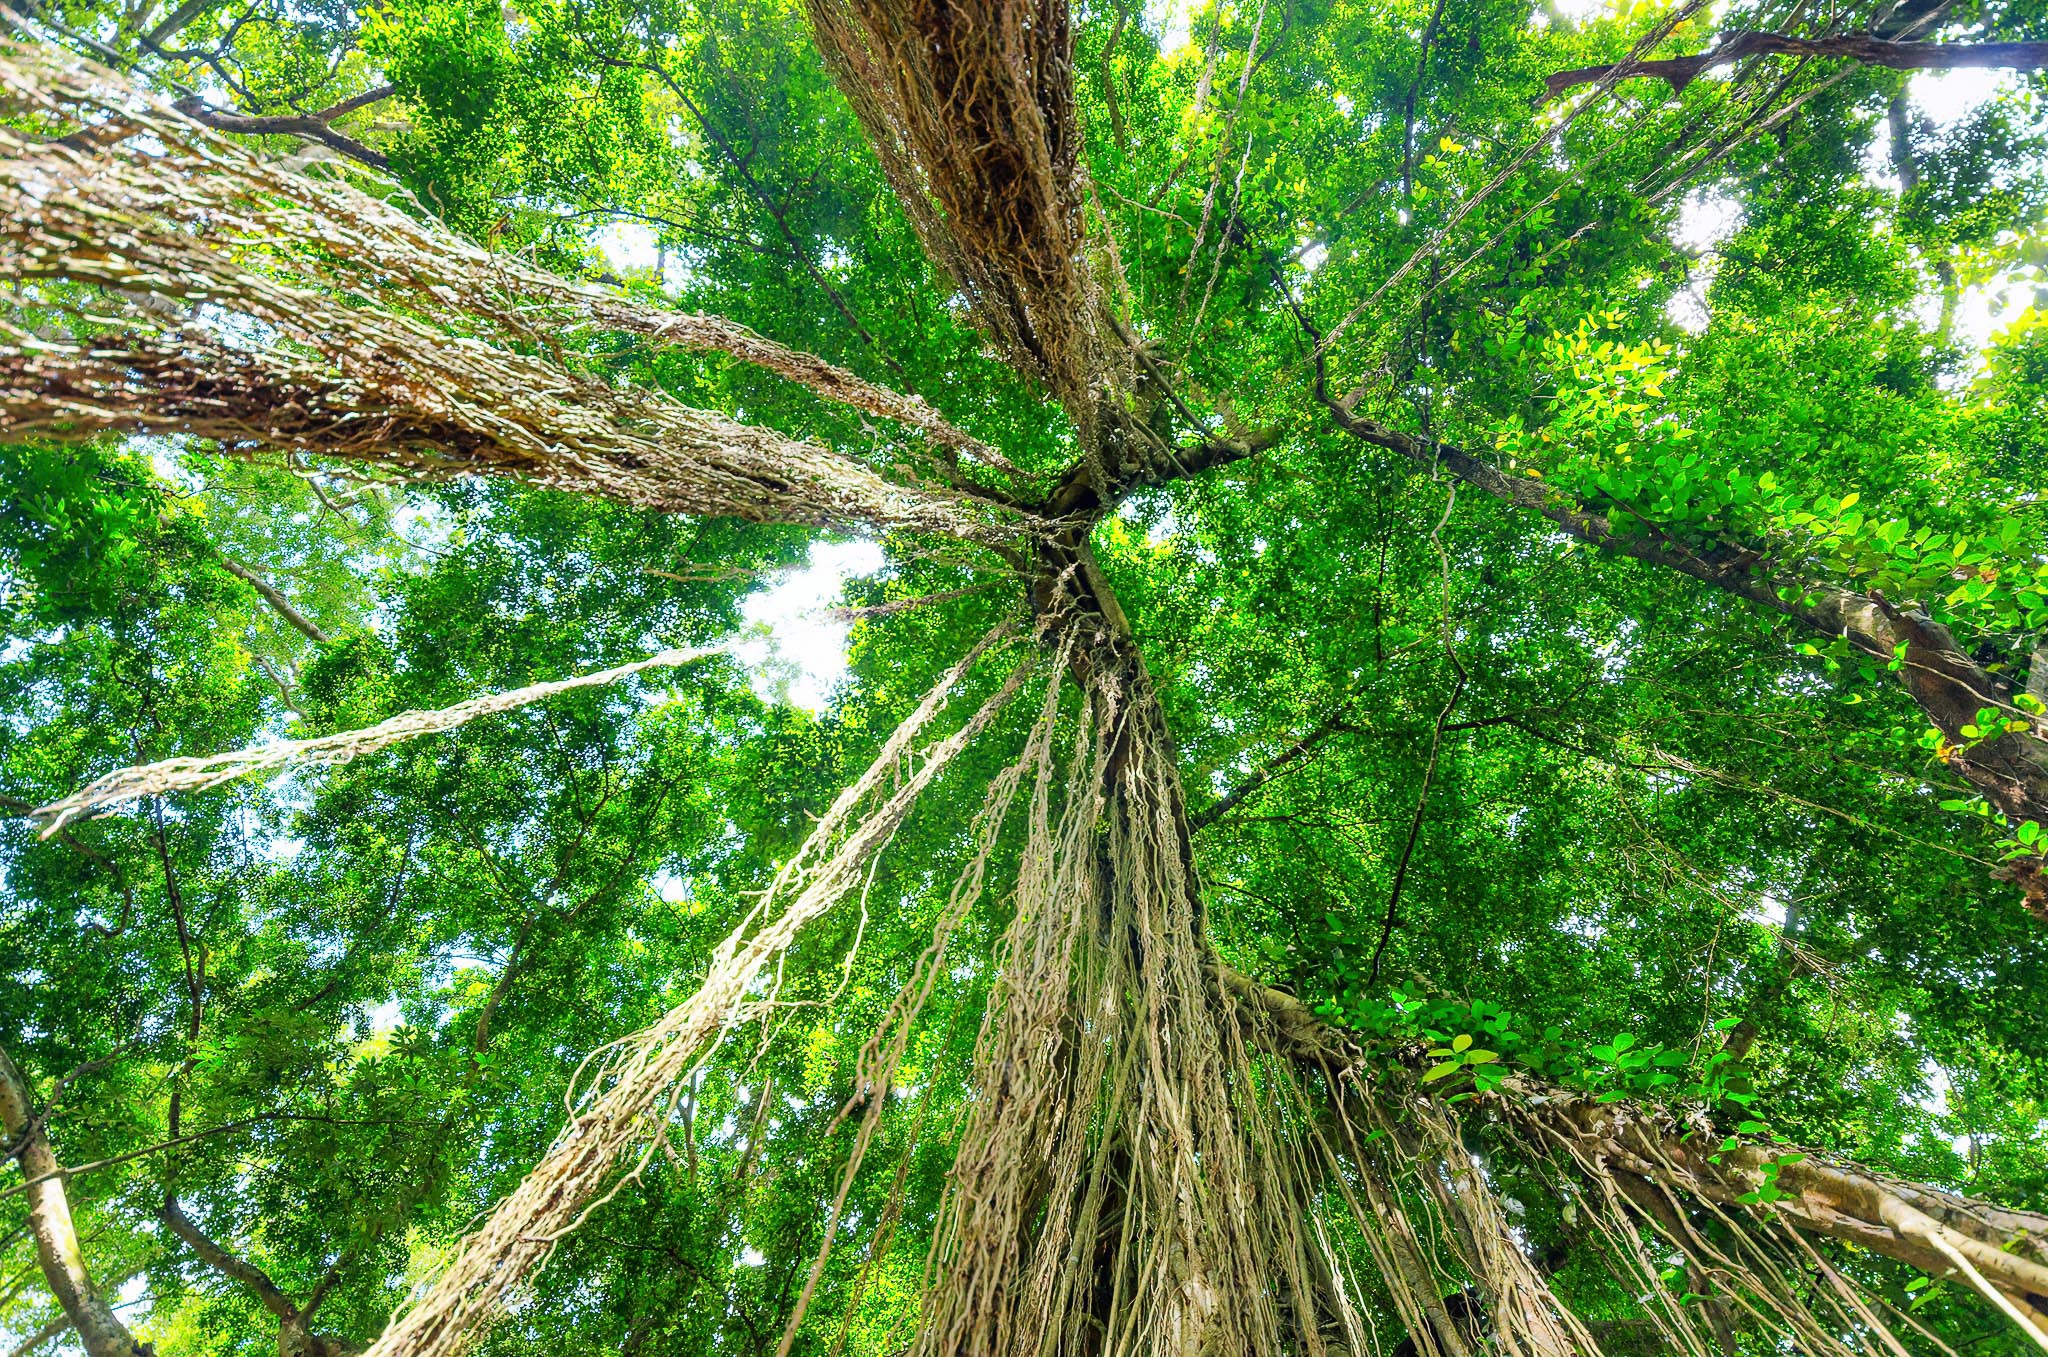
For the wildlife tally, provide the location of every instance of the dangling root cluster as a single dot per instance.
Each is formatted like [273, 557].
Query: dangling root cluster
[624, 1100]
[1122, 1184]
[1151, 1165]
[971, 109]
[197, 774]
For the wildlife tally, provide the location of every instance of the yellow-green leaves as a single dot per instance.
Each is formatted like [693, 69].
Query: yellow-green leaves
[1459, 1055]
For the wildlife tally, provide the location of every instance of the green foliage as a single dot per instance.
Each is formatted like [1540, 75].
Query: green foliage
[1648, 803]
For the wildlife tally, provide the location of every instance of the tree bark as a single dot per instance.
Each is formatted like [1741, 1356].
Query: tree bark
[279, 604]
[295, 1336]
[314, 128]
[100, 1330]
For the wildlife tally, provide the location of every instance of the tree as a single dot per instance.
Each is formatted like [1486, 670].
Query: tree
[1126, 474]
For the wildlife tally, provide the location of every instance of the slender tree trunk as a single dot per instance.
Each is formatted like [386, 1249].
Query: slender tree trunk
[49, 1214]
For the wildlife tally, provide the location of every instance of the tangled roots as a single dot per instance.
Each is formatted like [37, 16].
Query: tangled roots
[1120, 1185]
[273, 307]
[971, 109]
[619, 1108]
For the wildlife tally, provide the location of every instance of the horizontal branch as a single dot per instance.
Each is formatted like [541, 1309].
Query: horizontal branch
[1863, 47]
[360, 332]
[198, 774]
[313, 127]
[1922, 1226]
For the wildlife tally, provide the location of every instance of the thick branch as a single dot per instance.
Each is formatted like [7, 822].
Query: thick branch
[1863, 47]
[49, 1212]
[395, 342]
[226, 1263]
[295, 1337]
[827, 380]
[970, 108]
[2011, 771]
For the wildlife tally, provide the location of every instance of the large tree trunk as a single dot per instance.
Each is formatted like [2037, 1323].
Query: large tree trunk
[49, 1217]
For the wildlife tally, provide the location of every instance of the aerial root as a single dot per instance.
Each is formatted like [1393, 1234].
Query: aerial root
[197, 774]
[610, 1117]
[1123, 1179]
[882, 1056]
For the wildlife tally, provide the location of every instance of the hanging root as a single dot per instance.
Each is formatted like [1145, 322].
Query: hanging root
[1648, 1196]
[271, 308]
[1124, 1182]
[198, 774]
[882, 1056]
[971, 110]
[610, 1115]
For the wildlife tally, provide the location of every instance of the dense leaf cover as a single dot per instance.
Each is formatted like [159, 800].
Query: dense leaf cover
[1456, 773]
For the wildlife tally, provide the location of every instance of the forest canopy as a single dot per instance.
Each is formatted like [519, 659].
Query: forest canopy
[1442, 747]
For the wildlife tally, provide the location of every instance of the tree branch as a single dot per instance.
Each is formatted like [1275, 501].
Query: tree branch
[279, 604]
[2009, 771]
[295, 1335]
[100, 1330]
[1909, 1222]
[1436, 744]
[1272, 768]
[312, 128]
[374, 379]
[227, 1264]
[1863, 47]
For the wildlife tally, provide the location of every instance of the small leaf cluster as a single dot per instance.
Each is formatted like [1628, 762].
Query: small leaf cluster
[1610, 1070]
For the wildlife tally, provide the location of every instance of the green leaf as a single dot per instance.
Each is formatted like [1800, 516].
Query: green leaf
[1443, 1071]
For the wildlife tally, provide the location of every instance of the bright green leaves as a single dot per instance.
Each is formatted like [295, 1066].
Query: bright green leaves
[1462, 1055]
[1622, 1067]
[81, 530]
[1768, 1190]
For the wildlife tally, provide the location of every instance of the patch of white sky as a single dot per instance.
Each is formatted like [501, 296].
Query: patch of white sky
[1945, 99]
[1172, 21]
[631, 247]
[794, 649]
[1708, 217]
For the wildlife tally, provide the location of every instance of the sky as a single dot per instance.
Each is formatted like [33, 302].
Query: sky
[794, 652]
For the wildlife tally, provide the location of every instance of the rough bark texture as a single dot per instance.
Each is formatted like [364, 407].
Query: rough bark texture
[1135, 1176]
[412, 350]
[971, 109]
[49, 1215]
